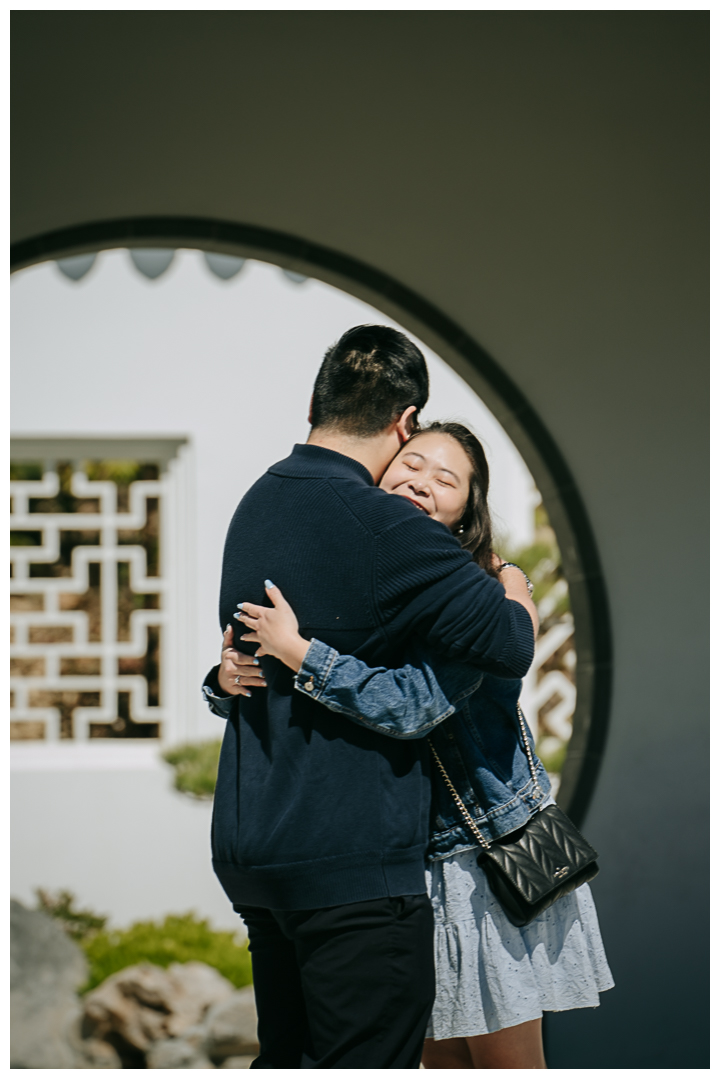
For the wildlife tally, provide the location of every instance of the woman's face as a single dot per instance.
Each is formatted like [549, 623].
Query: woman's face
[433, 472]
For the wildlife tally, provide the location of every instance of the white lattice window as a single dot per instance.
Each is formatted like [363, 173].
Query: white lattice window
[549, 688]
[97, 564]
[549, 693]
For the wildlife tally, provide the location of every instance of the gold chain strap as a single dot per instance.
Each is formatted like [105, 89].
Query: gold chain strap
[458, 801]
[469, 820]
[526, 744]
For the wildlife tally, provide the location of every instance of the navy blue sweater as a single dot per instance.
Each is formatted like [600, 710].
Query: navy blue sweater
[312, 810]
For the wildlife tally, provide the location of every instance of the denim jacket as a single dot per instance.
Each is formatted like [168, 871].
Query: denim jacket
[471, 716]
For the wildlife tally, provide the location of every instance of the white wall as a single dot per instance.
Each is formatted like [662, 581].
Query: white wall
[120, 838]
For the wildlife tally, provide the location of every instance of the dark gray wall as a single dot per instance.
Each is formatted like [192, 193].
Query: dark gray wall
[541, 178]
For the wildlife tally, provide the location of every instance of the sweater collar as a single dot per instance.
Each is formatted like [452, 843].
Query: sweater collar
[310, 461]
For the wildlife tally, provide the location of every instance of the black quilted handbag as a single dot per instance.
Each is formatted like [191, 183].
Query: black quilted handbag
[531, 868]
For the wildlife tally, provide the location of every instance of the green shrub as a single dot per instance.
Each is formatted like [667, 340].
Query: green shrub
[79, 925]
[542, 563]
[177, 939]
[552, 752]
[196, 767]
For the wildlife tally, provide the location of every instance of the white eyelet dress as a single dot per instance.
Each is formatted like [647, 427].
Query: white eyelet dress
[492, 975]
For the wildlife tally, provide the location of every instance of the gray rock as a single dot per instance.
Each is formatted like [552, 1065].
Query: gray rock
[183, 1053]
[165, 1019]
[46, 969]
[95, 1054]
[144, 1004]
[231, 1027]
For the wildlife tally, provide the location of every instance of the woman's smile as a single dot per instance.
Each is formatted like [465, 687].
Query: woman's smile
[416, 503]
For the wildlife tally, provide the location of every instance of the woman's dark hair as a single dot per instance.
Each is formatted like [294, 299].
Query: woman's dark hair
[367, 380]
[474, 529]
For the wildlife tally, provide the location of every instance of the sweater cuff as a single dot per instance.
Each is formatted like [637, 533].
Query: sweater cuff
[315, 670]
[519, 651]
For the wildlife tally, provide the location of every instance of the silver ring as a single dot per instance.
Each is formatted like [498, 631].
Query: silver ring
[237, 680]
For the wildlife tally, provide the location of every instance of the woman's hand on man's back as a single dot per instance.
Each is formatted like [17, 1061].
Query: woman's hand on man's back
[274, 628]
[238, 672]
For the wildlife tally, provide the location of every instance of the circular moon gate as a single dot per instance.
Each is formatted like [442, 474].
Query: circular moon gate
[561, 497]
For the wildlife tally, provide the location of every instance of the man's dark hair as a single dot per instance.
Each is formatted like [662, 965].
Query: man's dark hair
[367, 380]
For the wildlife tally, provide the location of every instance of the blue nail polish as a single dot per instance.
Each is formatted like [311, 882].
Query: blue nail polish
[269, 584]
[240, 606]
[255, 661]
[228, 627]
[236, 615]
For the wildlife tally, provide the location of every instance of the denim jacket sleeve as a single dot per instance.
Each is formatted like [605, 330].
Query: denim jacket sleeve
[404, 703]
[217, 703]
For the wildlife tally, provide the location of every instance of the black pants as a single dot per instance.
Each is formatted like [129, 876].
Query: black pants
[347, 987]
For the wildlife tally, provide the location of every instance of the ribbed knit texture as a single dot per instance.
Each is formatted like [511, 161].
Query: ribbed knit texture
[312, 810]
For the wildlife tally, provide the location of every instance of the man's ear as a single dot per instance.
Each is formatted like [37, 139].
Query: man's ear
[405, 424]
[310, 410]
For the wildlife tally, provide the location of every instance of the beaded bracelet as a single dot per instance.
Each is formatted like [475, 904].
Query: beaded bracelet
[528, 582]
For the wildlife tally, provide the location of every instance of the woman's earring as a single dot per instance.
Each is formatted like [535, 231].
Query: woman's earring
[461, 530]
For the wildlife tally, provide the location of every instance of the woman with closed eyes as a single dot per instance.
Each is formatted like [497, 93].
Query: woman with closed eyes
[494, 979]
